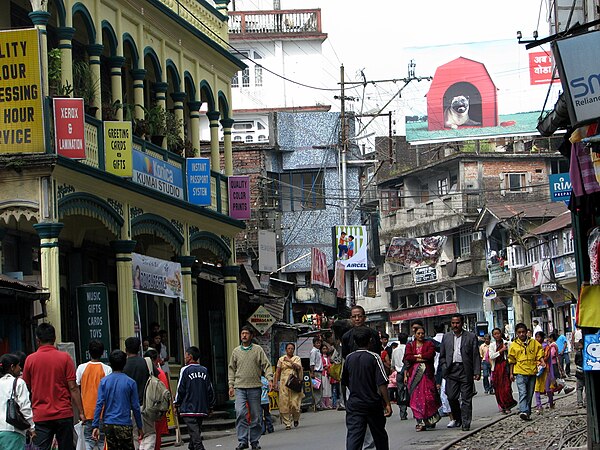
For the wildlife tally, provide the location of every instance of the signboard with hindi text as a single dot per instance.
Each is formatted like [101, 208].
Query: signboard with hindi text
[118, 148]
[69, 127]
[21, 97]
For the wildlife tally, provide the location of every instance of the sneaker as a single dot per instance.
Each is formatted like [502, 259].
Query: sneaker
[242, 446]
[256, 446]
[454, 424]
[569, 389]
[524, 416]
[466, 427]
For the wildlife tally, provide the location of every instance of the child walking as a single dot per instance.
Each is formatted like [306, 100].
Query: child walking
[267, 422]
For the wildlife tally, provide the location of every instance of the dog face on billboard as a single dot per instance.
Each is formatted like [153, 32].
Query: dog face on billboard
[457, 114]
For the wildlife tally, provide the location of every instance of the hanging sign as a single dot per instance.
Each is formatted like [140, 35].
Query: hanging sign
[156, 276]
[198, 181]
[69, 127]
[262, 319]
[239, 197]
[489, 294]
[118, 148]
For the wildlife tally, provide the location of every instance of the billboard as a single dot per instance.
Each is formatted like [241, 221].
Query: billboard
[350, 246]
[118, 148]
[478, 91]
[69, 127]
[157, 174]
[21, 97]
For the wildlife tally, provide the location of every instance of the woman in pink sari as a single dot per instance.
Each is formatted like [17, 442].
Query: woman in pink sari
[419, 376]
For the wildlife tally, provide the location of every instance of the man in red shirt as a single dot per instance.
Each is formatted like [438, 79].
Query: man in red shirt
[50, 376]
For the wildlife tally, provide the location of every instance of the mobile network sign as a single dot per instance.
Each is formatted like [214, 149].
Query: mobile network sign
[158, 175]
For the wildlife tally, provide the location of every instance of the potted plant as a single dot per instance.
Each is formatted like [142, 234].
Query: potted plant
[188, 149]
[141, 128]
[157, 122]
[84, 85]
[174, 141]
[109, 110]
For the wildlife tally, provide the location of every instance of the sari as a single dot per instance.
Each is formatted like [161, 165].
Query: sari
[424, 397]
[501, 378]
[546, 382]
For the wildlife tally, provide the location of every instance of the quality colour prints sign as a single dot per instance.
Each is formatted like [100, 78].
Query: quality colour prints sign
[198, 181]
[156, 276]
[158, 175]
[350, 246]
[69, 127]
[239, 197]
[21, 96]
[117, 148]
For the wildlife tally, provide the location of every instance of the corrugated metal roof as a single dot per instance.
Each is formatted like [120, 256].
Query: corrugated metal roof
[531, 210]
[562, 221]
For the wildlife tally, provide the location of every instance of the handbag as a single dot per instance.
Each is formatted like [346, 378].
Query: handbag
[294, 383]
[588, 306]
[335, 371]
[14, 416]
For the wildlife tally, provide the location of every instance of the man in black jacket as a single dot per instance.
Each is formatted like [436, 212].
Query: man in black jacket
[195, 396]
[358, 317]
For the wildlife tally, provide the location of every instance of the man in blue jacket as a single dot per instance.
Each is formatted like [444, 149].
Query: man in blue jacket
[195, 396]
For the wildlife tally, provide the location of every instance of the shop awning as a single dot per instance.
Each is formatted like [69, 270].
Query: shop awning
[11, 287]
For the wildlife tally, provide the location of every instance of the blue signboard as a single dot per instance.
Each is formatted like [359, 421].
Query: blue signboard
[560, 187]
[157, 174]
[198, 180]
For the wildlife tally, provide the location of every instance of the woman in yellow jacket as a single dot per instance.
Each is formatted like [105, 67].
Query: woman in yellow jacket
[524, 356]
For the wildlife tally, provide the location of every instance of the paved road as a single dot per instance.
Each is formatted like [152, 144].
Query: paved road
[327, 430]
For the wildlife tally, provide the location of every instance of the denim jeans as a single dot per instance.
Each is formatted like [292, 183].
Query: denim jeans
[90, 442]
[526, 386]
[248, 433]
[335, 394]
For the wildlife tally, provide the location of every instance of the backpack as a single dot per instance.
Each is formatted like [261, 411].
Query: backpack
[157, 398]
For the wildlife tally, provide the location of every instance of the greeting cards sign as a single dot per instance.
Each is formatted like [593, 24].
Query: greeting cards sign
[69, 127]
[118, 148]
[239, 197]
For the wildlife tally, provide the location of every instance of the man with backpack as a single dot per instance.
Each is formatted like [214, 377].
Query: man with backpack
[195, 397]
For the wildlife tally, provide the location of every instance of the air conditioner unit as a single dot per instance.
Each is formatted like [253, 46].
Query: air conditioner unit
[478, 236]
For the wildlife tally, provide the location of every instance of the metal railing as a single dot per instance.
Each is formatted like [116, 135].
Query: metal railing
[296, 22]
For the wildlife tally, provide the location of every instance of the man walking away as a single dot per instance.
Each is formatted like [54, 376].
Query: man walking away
[247, 363]
[117, 401]
[316, 371]
[524, 355]
[50, 376]
[461, 365]
[195, 396]
[88, 376]
[368, 403]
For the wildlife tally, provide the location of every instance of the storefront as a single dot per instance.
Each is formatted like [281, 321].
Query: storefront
[429, 315]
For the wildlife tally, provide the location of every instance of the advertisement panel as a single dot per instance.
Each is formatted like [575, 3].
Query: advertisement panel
[239, 197]
[560, 187]
[350, 246]
[267, 251]
[21, 96]
[318, 268]
[198, 181]
[92, 304]
[157, 175]
[541, 68]
[156, 276]
[118, 148]
[69, 127]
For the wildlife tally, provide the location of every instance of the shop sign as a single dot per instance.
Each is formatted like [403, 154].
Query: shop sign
[499, 275]
[548, 287]
[262, 319]
[560, 187]
[21, 94]
[541, 68]
[69, 127]
[489, 294]
[564, 266]
[350, 246]
[92, 303]
[239, 197]
[267, 251]
[591, 352]
[157, 175]
[198, 181]
[156, 276]
[427, 311]
[425, 274]
[185, 323]
[118, 148]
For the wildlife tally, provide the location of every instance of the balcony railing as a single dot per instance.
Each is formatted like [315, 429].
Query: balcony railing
[297, 22]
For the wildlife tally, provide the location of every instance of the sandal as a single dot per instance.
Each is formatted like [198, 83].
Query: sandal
[420, 427]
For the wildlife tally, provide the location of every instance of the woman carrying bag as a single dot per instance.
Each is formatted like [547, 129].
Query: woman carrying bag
[289, 399]
[12, 387]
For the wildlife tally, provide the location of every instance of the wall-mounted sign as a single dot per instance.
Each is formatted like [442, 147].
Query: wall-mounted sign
[156, 276]
[541, 68]
[548, 287]
[21, 96]
[267, 251]
[239, 197]
[499, 274]
[118, 148]
[198, 181]
[489, 294]
[262, 319]
[92, 303]
[426, 311]
[560, 187]
[69, 127]
[157, 174]
[425, 274]
[350, 246]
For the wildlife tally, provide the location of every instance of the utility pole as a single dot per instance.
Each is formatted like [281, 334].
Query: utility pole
[344, 148]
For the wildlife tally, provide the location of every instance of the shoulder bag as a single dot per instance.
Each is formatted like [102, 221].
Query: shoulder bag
[294, 383]
[14, 416]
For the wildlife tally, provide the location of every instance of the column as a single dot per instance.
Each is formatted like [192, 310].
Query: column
[65, 36]
[116, 64]
[2, 233]
[94, 51]
[186, 271]
[160, 90]
[232, 327]
[123, 249]
[213, 118]
[195, 125]
[221, 6]
[49, 265]
[40, 20]
[138, 92]
[227, 150]
[178, 99]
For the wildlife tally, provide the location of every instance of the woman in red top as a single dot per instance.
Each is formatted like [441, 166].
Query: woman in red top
[162, 426]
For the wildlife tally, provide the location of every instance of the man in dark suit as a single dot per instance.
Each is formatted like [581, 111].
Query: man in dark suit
[461, 365]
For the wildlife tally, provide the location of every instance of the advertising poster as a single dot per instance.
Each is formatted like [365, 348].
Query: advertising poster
[156, 276]
[137, 322]
[198, 181]
[69, 127]
[541, 68]
[118, 148]
[340, 279]
[157, 175]
[92, 304]
[318, 268]
[21, 108]
[350, 246]
[239, 198]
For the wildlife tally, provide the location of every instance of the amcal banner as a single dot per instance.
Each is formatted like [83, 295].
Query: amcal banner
[21, 97]
[69, 127]
[156, 276]
[350, 246]
[118, 148]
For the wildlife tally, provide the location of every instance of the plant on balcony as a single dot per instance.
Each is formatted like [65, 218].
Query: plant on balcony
[109, 110]
[174, 141]
[157, 123]
[84, 86]
[57, 89]
[188, 149]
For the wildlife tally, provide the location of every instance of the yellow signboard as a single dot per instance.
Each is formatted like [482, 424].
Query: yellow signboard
[118, 148]
[21, 97]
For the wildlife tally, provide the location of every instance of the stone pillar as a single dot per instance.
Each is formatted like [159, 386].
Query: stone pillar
[138, 92]
[49, 265]
[160, 89]
[116, 64]
[227, 149]
[94, 51]
[232, 327]
[195, 125]
[186, 271]
[65, 36]
[40, 20]
[221, 6]
[213, 118]
[123, 249]
[178, 99]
